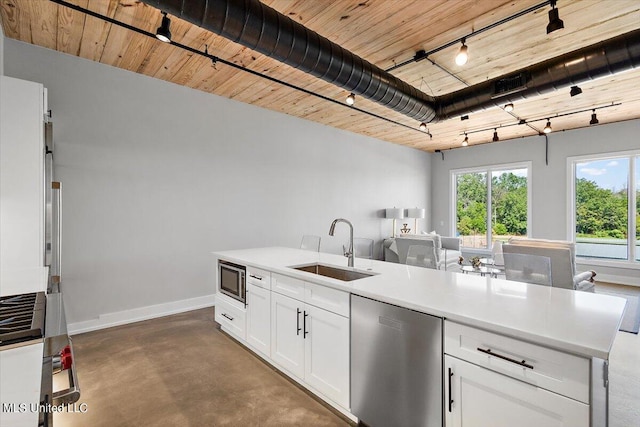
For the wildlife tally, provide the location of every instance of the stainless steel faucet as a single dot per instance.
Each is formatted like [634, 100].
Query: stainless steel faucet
[348, 253]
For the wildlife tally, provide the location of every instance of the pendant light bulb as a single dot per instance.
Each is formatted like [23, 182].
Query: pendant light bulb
[463, 56]
[496, 138]
[465, 141]
[594, 118]
[508, 107]
[163, 33]
[547, 128]
[351, 99]
[423, 126]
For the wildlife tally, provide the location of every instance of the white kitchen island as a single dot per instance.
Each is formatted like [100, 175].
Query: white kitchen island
[548, 348]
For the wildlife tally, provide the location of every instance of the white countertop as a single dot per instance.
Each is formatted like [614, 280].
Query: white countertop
[577, 322]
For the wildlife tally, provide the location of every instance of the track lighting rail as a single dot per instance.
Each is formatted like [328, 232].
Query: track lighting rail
[423, 54]
[545, 118]
[216, 60]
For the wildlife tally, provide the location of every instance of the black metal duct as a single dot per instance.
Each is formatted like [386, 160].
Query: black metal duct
[265, 30]
[601, 59]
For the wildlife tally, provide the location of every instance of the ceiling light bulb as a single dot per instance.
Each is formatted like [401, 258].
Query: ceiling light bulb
[423, 126]
[594, 119]
[575, 90]
[555, 23]
[163, 33]
[465, 142]
[462, 57]
[351, 99]
[495, 135]
[508, 108]
[547, 128]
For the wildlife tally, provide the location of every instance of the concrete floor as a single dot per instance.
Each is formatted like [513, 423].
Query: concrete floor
[181, 370]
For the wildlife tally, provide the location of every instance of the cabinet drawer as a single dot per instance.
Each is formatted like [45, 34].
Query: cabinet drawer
[288, 286]
[231, 318]
[327, 298]
[549, 369]
[259, 277]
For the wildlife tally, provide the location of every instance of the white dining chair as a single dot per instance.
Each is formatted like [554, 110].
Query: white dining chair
[310, 243]
[533, 269]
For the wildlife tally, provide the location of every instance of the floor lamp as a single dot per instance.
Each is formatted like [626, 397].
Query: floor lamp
[394, 213]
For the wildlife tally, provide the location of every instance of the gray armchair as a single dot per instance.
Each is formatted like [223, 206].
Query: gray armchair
[563, 261]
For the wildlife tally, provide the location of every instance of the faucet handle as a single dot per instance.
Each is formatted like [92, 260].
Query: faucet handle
[346, 252]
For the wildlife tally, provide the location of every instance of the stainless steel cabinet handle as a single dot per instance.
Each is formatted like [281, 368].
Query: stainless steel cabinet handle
[304, 325]
[298, 328]
[508, 359]
[450, 399]
[255, 277]
[228, 317]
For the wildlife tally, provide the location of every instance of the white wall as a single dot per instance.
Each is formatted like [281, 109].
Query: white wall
[156, 176]
[549, 186]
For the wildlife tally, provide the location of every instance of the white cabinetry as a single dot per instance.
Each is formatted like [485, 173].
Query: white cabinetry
[326, 354]
[302, 328]
[287, 334]
[21, 184]
[480, 398]
[231, 315]
[310, 335]
[495, 380]
[259, 319]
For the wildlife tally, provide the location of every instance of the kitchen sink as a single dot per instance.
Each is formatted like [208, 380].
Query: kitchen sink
[333, 272]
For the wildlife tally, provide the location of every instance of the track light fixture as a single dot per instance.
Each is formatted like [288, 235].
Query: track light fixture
[575, 90]
[351, 99]
[547, 128]
[163, 33]
[423, 126]
[465, 141]
[508, 107]
[555, 23]
[462, 57]
[495, 135]
[594, 118]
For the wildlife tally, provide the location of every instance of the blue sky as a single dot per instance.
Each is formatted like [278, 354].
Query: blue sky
[611, 173]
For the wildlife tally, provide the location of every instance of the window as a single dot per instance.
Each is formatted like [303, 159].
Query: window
[491, 203]
[605, 209]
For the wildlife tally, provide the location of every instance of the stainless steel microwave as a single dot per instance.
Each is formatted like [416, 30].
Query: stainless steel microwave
[232, 280]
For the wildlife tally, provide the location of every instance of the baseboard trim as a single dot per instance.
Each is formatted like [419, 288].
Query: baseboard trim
[619, 280]
[109, 320]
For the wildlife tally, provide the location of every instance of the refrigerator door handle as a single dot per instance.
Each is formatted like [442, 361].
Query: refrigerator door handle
[56, 186]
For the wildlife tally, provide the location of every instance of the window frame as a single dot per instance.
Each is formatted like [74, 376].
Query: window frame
[572, 161]
[488, 169]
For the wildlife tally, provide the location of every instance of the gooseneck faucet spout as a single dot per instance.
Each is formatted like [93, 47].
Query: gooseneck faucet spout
[348, 253]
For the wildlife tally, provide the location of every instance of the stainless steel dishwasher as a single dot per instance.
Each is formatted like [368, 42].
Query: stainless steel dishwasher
[396, 365]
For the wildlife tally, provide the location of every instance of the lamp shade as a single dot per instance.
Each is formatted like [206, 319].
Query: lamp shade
[394, 213]
[416, 213]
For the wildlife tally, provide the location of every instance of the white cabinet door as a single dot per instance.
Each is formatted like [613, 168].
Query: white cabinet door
[21, 182]
[287, 343]
[326, 338]
[478, 397]
[259, 318]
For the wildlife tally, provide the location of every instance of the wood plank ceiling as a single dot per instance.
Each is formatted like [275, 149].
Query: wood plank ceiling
[384, 32]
